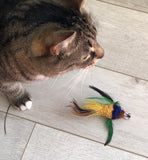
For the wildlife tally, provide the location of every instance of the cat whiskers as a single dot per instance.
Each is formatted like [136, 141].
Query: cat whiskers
[54, 82]
[73, 82]
[83, 79]
[55, 79]
[80, 76]
[74, 77]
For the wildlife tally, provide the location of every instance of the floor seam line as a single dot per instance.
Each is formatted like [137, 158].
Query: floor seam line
[118, 5]
[70, 134]
[121, 73]
[28, 141]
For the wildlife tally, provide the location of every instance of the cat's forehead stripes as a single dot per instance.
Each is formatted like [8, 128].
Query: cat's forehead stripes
[38, 14]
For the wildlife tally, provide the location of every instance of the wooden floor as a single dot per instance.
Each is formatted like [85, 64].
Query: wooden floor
[50, 132]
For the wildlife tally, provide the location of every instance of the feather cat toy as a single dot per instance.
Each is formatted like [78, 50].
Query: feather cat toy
[111, 110]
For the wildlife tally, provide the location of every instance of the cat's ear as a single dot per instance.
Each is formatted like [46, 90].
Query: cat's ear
[76, 4]
[62, 39]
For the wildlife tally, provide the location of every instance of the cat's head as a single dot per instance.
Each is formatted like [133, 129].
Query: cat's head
[71, 43]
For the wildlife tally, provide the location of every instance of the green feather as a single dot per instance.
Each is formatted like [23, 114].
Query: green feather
[109, 125]
[104, 99]
[117, 103]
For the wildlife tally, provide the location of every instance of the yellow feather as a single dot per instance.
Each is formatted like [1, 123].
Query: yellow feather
[99, 109]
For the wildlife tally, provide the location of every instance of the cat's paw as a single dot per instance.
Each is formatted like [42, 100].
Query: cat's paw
[23, 103]
[26, 106]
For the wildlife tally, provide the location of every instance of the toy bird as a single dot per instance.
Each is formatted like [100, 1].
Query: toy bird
[111, 110]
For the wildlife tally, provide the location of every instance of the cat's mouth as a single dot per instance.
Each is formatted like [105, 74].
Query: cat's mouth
[75, 66]
[70, 67]
[89, 66]
[95, 60]
[78, 66]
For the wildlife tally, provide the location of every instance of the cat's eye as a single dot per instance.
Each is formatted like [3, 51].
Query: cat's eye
[89, 43]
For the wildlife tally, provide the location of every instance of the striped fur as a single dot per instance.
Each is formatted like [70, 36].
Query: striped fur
[29, 30]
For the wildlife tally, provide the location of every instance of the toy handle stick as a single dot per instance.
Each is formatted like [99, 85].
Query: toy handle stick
[109, 125]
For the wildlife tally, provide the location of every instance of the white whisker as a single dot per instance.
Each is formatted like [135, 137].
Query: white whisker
[75, 82]
[74, 77]
[83, 80]
[54, 82]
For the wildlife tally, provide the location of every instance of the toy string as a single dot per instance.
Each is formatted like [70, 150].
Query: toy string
[6, 119]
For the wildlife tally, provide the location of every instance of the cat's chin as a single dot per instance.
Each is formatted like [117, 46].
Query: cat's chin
[72, 67]
[69, 68]
[75, 66]
[40, 77]
[90, 66]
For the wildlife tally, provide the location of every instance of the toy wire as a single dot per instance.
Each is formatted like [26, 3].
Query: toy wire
[6, 119]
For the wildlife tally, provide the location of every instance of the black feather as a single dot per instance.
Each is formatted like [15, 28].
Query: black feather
[78, 109]
[101, 92]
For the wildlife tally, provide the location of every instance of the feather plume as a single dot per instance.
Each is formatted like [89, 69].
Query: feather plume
[79, 111]
[102, 93]
[109, 125]
[102, 99]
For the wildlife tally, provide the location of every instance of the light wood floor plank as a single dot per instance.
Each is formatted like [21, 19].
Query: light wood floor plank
[123, 33]
[13, 144]
[47, 143]
[140, 5]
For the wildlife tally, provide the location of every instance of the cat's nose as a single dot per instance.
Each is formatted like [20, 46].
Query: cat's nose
[100, 52]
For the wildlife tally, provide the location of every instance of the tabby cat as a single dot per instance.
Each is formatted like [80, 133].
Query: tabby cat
[43, 38]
